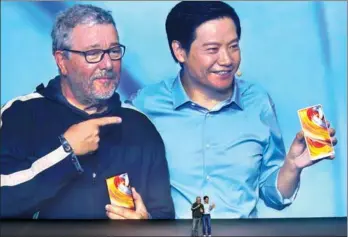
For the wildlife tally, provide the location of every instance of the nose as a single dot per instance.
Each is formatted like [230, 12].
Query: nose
[225, 58]
[106, 62]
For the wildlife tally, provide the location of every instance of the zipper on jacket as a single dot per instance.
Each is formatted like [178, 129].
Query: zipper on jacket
[94, 176]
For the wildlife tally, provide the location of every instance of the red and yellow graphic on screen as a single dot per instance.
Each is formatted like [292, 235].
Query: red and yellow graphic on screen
[316, 132]
[120, 192]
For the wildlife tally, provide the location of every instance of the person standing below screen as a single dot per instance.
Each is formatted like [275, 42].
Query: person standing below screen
[221, 133]
[60, 143]
[197, 212]
[206, 216]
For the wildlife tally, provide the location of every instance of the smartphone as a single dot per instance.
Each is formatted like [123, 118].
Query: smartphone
[120, 192]
[316, 132]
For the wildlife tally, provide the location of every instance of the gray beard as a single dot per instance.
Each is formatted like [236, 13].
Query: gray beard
[90, 99]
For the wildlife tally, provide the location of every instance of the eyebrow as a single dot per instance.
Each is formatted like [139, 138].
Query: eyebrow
[98, 45]
[211, 44]
[217, 44]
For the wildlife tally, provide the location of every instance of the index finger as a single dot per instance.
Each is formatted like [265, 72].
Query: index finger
[106, 120]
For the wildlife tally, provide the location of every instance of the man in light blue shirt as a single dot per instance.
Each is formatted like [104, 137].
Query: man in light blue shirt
[221, 133]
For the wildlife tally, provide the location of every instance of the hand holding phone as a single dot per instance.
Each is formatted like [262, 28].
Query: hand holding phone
[120, 192]
[316, 132]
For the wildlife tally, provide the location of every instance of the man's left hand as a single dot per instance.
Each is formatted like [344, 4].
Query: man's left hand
[122, 213]
[298, 154]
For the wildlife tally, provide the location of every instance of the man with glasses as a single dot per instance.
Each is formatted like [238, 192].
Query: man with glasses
[197, 212]
[63, 141]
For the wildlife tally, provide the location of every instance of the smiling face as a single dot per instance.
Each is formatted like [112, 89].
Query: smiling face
[92, 82]
[213, 58]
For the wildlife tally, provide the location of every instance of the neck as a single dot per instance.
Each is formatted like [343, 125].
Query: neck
[202, 95]
[80, 102]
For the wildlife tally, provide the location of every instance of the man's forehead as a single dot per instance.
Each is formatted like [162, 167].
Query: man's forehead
[214, 29]
[94, 35]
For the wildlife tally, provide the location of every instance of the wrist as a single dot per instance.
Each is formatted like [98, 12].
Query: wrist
[68, 149]
[66, 146]
[291, 167]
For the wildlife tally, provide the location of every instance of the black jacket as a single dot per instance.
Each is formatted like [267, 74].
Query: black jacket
[37, 175]
[196, 212]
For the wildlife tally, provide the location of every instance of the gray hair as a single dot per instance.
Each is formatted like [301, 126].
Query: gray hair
[70, 18]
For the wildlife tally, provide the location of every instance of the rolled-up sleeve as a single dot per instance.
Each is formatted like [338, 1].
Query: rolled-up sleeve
[273, 159]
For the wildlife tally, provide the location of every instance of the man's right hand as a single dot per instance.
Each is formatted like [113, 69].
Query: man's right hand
[84, 137]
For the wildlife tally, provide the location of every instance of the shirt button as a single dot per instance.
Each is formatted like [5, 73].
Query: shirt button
[208, 177]
[207, 146]
[193, 104]
[94, 175]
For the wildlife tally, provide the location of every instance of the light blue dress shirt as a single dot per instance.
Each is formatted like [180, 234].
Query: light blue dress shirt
[231, 153]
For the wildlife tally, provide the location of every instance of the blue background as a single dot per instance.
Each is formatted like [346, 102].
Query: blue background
[296, 50]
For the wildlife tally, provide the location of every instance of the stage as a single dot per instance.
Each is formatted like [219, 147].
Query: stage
[242, 227]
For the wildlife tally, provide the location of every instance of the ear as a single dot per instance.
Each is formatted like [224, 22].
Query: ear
[61, 60]
[179, 51]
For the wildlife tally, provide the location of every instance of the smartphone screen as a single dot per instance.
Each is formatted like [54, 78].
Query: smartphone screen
[120, 192]
[316, 132]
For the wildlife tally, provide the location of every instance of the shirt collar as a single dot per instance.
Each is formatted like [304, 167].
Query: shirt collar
[180, 96]
[236, 95]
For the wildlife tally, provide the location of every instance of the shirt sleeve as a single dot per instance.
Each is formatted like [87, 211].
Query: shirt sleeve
[273, 158]
[27, 179]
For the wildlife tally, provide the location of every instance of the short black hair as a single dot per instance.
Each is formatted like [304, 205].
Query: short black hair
[184, 18]
[205, 197]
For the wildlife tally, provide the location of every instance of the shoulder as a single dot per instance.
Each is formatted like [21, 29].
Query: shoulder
[163, 86]
[152, 95]
[254, 96]
[20, 107]
[252, 90]
[21, 101]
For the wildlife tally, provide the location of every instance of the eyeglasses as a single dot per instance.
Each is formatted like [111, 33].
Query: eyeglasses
[96, 55]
